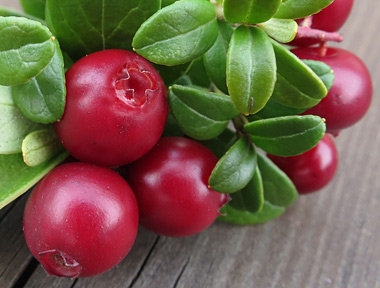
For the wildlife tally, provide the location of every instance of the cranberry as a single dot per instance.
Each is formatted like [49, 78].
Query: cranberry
[80, 220]
[171, 187]
[350, 96]
[329, 19]
[313, 169]
[116, 108]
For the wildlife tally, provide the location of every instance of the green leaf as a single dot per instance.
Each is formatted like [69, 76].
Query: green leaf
[40, 146]
[219, 145]
[16, 177]
[235, 169]
[215, 59]
[171, 74]
[274, 109]
[297, 85]
[177, 33]
[167, 2]
[9, 12]
[279, 190]
[35, 8]
[250, 11]
[13, 125]
[198, 74]
[232, 215]
[200, 114]
[26, 48]
[282, 30]
[294, 9]
[83, 27]
[251, 69]
[171, 127]
[43, 98]
[68, 62]
[288, 135]
[251, 197]
[324, 72]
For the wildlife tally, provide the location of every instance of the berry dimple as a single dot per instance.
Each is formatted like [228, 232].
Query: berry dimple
[58, 263]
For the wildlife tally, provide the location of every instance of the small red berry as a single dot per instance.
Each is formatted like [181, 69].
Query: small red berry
[313, 169]
[171, 187]
[80, 220]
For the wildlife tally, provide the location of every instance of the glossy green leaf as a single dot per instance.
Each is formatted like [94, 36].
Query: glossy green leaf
[293, 9]
[220, 145]
[251, 69]
[83, 27]
[197, 73]
[250, 11]
[235, 169]
[43, 98]
[16, 177]
[13, 125]
[171, 127]
[324, 72]
[171, 74]
[200, 114]
[167, 2]
[274, 109]
[215, 59]
[282, 30]
[26, 48]
[297, 85]
[288, 135]
[235, 216]
[251, 197]
[40, 146]
[34, 7]
[279, 190]
[177, 33]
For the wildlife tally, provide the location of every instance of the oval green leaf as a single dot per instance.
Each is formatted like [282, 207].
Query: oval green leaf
[35, 8]
[274, 109]
[197, 73]
[235, 169]
[16, 177]
[220, 145]
[40, 146]
[235, 216]
[83, 27]
[177, 33]
[167, 2]
[294, 9]
[200, 114]
[251, 69]
[287, 136]
[43, 98]
[13, 125]
[250, 11]
[251, 197]
[26, 48]
[324, 72]
[279, 190]
[297, 85]
[215, 59]
[282, 30]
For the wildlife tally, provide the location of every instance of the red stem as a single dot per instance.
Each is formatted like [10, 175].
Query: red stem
[322, 36]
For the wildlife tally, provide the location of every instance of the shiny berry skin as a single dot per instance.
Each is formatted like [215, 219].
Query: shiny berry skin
[329, 19]
[313, 169]
[171, 187]
[80, 220]
[116, 108]
[350, 96]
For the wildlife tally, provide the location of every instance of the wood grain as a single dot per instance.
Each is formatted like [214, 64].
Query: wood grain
[329, 239]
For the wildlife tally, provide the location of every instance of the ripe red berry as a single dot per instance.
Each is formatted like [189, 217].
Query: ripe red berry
[171, 187]
[116, 108]
[313, 169]
[80, 220]
[350, 96]
[329, 19]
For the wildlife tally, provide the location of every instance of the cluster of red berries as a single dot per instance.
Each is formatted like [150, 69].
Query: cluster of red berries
[115, 114]
[346, 103]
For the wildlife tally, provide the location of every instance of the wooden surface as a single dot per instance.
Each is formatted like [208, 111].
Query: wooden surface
[329, 239]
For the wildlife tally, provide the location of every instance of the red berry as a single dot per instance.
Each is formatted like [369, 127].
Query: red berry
[80, 220]
[350, 97]
[313, 169]
[171, 187]
[330, 19]
[116, 108]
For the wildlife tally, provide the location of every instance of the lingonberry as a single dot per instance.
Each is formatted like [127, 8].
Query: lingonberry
[116, 108]
[171, 187]
[313, 169]
[329, 19]
[80, 220]
[350, 96]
